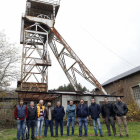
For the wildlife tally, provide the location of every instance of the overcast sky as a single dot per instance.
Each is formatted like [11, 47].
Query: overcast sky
[114, 23]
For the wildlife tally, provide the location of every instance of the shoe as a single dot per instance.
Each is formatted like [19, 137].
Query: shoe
[86, 135]
[79, 136]
[61, 135]
[67, 135]
[102, 136]
[23, 139]
[127, 135]
[40, 137]
[115, 135]
[109, 135]
[37, 138]
[72, 135]
[55, 136]
[96, 135]
[121, 135]
[44, 136]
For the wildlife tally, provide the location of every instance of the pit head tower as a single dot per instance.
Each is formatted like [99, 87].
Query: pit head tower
[38, 33]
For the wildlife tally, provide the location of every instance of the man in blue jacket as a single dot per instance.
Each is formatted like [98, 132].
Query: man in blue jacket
[71, 117]
[82, 113]
[59, 113]
[21, 113]
[94, 111]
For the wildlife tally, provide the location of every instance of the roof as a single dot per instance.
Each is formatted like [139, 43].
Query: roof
[55, 2]
[9, 95]
[125, 74]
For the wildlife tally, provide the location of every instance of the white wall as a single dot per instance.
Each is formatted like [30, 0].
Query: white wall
[54, 102]
[101, 98]
[66, 98]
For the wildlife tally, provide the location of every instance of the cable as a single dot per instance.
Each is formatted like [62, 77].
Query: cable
[101, 42]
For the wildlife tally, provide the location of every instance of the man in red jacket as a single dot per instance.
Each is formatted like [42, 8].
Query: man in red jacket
[21, 113]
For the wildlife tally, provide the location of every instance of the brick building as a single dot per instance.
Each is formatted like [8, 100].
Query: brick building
[126, 84]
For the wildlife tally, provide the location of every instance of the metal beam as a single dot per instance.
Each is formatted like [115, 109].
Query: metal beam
[77, 59]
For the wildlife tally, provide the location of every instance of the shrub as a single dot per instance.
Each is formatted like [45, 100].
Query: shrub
[133, 111]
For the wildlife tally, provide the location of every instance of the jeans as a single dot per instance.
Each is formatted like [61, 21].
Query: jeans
[31, 124]
[70, 119]
[99, 126]
[21, 125]
[47, 123]
[61, 127]
[39, 126]
[110, 121]
[81, 121]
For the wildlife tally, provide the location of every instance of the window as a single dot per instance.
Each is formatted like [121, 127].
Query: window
[120, 91]
[136, 92]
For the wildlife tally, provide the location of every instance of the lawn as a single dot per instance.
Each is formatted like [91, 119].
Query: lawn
[133, 127]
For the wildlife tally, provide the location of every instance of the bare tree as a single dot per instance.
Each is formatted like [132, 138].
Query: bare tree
[9, 62]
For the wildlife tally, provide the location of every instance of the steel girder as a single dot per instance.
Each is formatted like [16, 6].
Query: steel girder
[84, 72]
[35, 41]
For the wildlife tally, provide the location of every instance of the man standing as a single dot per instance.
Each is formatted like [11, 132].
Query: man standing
[94, 111]
[108, 114]
[71, 117]
[48, 115]
[121, 109]
[21, 113]
[40, 118]
[82, 113]
[32, 116]
[58, 115]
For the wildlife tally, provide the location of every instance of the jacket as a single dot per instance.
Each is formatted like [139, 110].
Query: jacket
[32, 113]
[38, 109]
[82, 111]
[59, 112]
[71, 110]
[120, 109]
[94, 111]
[107, 110]
[47, 112]
[21, 112]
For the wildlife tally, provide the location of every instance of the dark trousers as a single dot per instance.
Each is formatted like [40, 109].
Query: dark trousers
[56, 127]
[47, 123]
[110, 121]
[31, 124]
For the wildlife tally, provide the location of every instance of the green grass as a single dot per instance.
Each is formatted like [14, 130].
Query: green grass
[133, 127]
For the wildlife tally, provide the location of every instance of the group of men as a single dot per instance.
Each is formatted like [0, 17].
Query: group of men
[37, 115]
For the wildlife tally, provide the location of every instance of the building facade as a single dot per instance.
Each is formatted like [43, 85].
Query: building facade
[125, 84]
